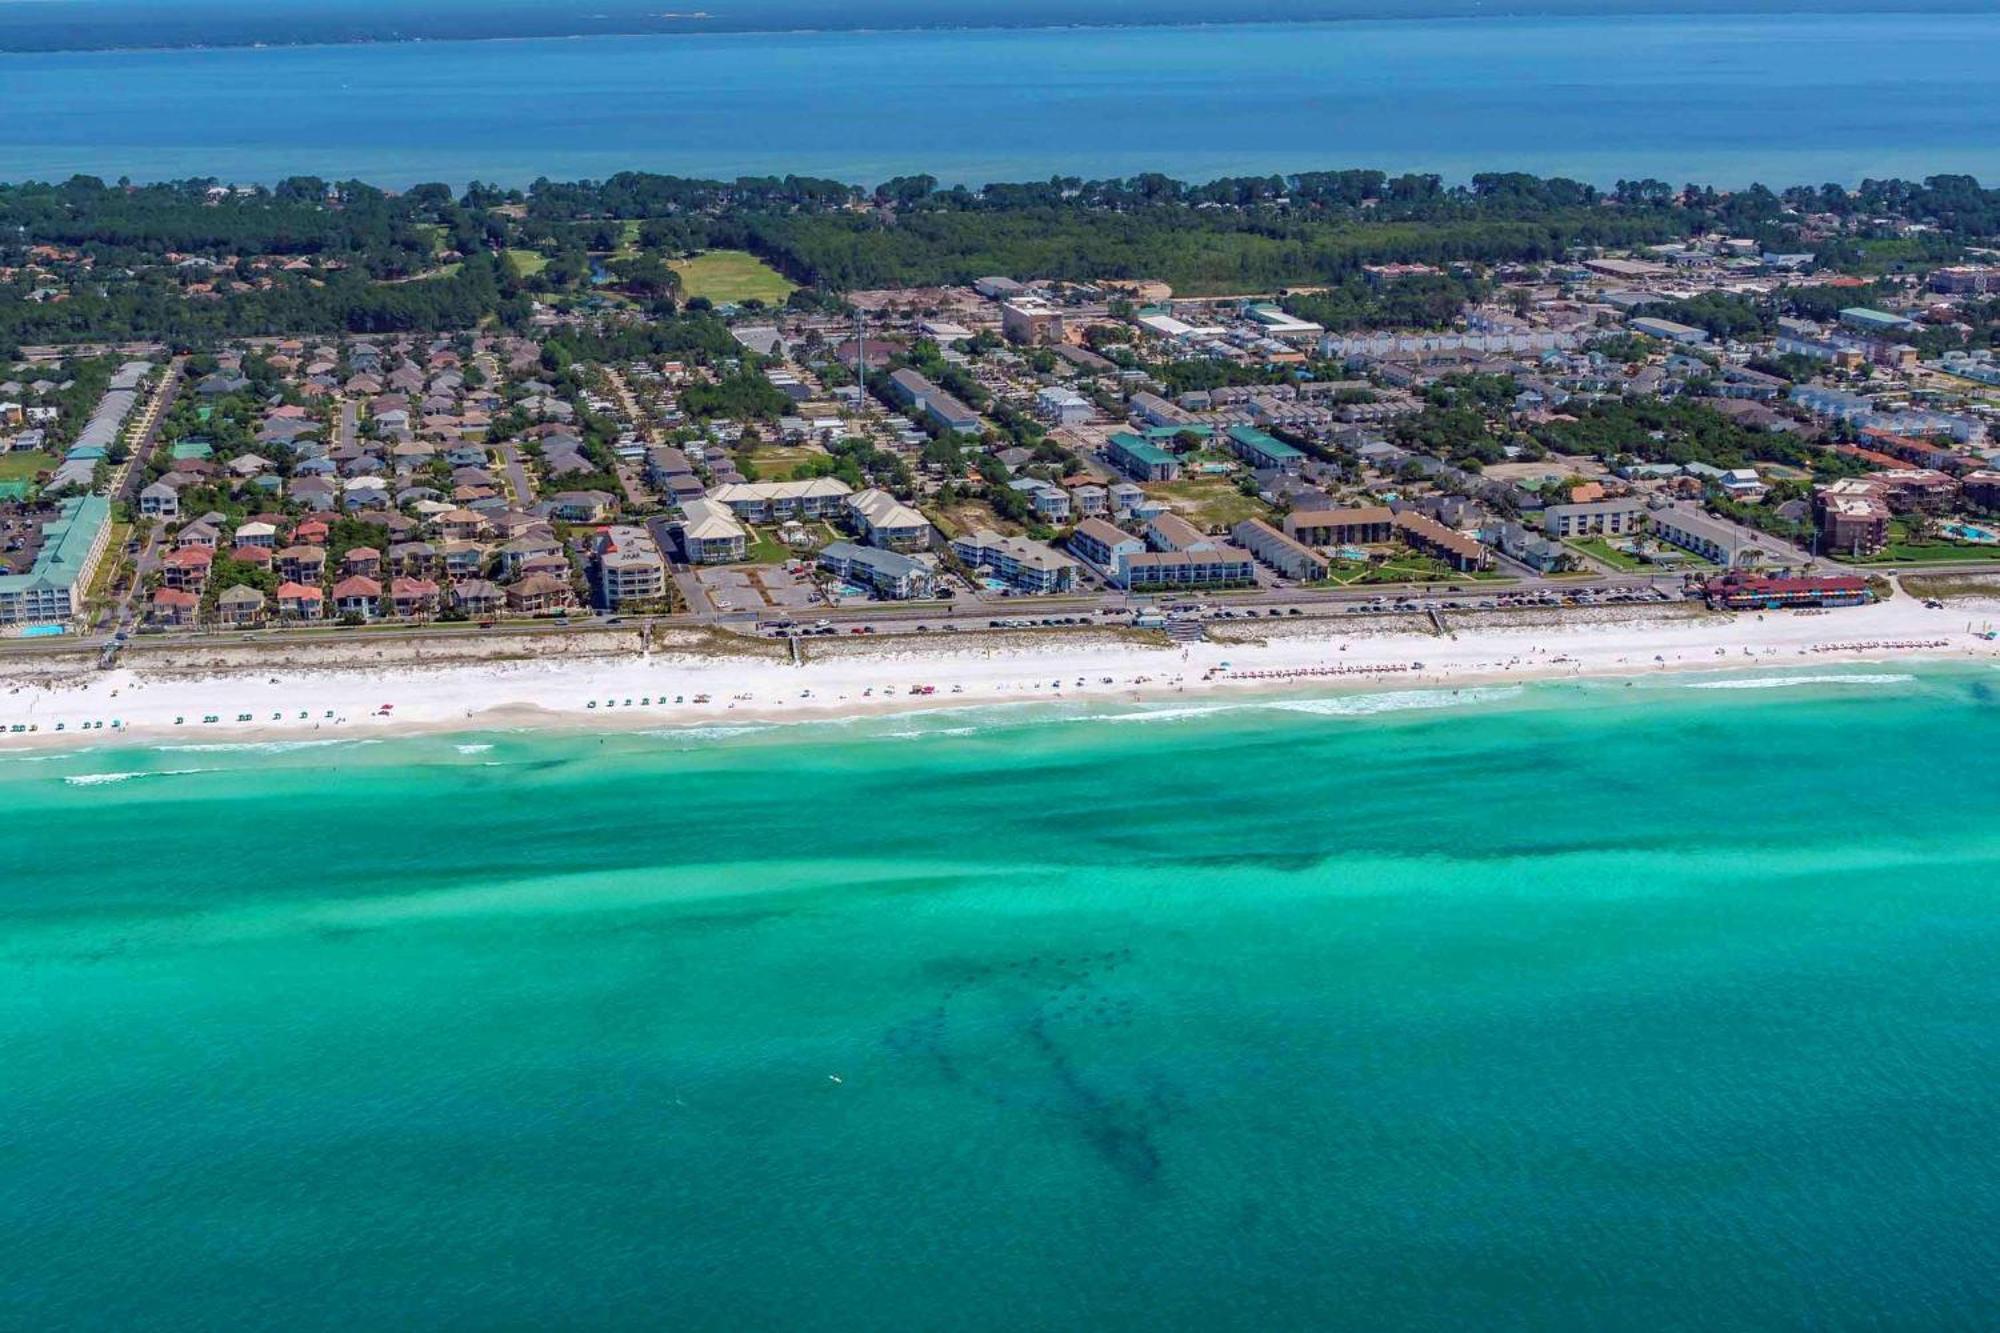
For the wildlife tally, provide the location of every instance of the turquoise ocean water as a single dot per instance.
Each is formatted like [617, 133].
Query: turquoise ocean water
[1725, 99]
[1666, 1006]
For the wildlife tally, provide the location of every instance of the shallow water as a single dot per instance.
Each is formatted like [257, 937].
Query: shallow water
[1573, 1005]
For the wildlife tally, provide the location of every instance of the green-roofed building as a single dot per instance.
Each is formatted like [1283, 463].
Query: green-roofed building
[1262, 450]
[61, 545]
[1141, 460]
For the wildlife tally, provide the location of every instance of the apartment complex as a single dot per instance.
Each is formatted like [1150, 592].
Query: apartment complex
[1023, 565]
[53, 550]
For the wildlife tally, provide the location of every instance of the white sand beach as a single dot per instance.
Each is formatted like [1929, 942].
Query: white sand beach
[878, 676]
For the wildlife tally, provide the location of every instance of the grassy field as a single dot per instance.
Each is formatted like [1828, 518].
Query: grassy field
[778, 462]
[731, 275]
[23, 466]
[527, 263]
[1210, 502]
[970, 516]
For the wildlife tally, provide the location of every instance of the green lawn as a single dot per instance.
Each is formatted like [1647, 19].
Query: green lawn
[527, 263]
[766, 549]
[23, 465]
[1617, 559]
[731, 275]
[1609, 554]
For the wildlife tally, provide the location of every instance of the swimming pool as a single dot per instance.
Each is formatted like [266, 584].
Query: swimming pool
[43, 631]
[1967, 532]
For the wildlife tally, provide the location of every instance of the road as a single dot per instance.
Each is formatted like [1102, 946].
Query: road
[636, 494]
[125, 487]
[348, 429]
[517, 474]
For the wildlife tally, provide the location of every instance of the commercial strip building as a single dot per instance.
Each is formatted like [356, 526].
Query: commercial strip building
[889, 574]
[921, 395]
[1030, 319]
[1023, 565]
[1061, 407]
[60, 545]
[1668, 331]
[1737, 592]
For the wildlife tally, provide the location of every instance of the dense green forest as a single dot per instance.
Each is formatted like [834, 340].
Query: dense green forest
[191, 261]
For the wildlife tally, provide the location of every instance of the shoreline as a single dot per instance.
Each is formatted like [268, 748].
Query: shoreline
[700, 24]
[844, 680]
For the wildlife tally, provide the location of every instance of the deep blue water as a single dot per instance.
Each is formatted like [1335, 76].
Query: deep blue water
[1714, 98]
[114, 24]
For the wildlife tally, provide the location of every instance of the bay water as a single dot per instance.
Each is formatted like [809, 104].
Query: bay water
[1716, 98]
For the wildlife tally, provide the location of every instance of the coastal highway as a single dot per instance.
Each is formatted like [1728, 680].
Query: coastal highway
[962, 615]
[968, 614]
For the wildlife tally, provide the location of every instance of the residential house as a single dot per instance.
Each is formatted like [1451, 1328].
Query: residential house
[187, 567]
[357, 595]
[160, 501]
[477, 597]
[534, 594]
[301, 601]
[240, 605]
[414, 598]
[174, 606]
